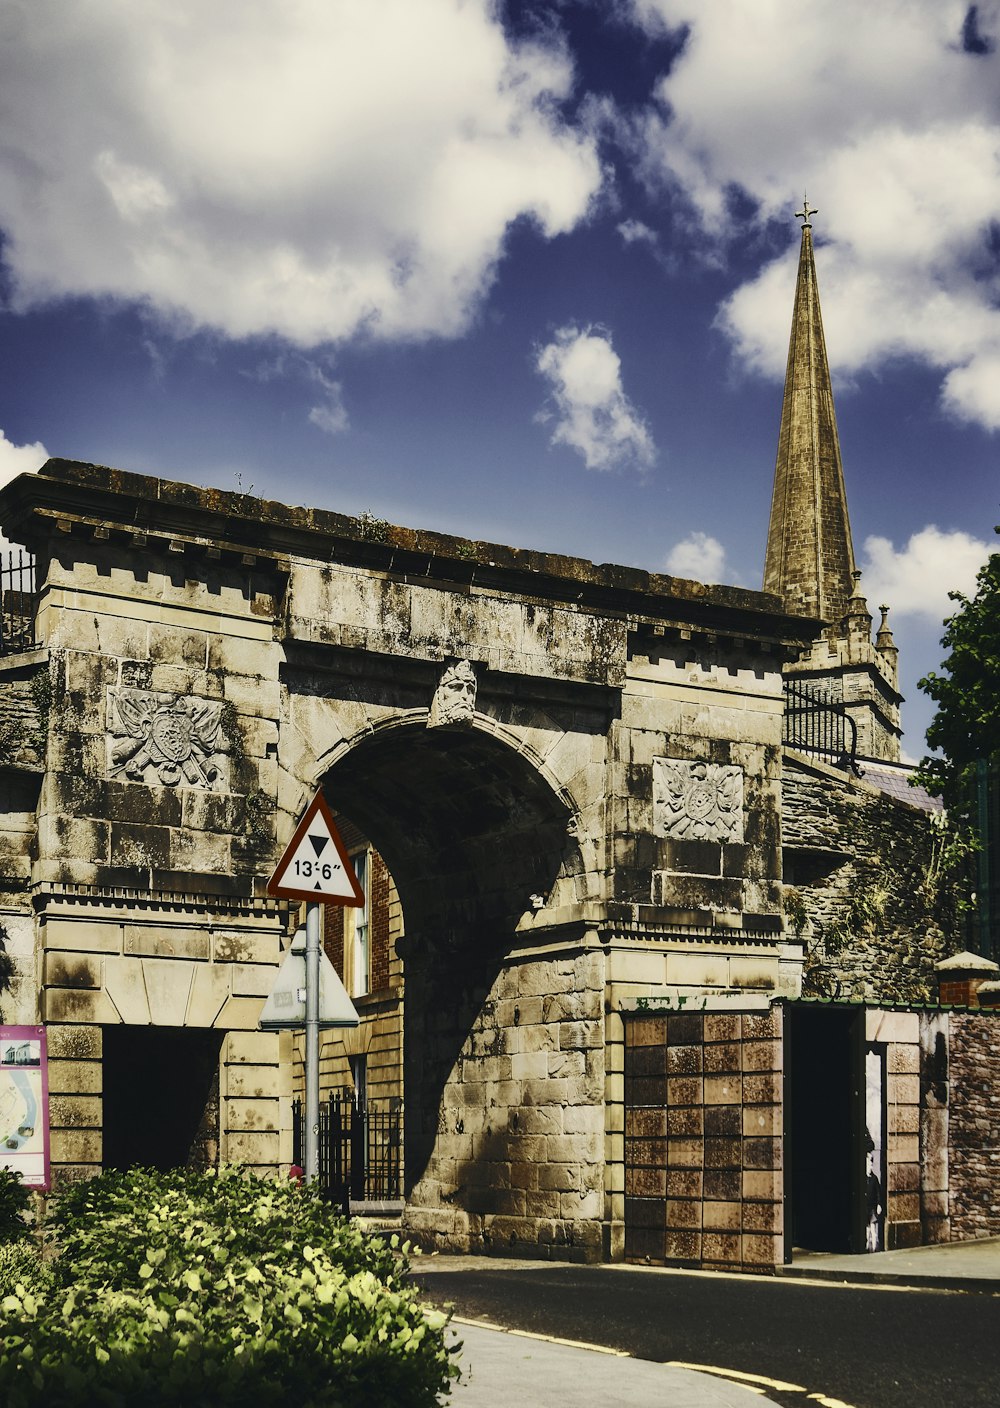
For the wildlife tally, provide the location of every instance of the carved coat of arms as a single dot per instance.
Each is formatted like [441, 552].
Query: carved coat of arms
[164, 737]
[697, 801]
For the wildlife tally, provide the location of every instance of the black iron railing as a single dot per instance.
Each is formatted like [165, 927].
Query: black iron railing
[360, 1147]
[814, 723]
[18, 600]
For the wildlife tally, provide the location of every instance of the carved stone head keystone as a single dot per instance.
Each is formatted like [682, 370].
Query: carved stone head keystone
[454, 699]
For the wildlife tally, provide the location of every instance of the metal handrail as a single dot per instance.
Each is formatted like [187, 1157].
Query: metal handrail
[814, 723]
[18, 602]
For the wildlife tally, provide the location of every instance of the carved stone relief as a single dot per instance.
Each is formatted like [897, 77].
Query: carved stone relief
[697, 801]
[454, 699]
[165, 739]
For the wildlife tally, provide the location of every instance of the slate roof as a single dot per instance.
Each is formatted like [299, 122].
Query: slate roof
[894, 780]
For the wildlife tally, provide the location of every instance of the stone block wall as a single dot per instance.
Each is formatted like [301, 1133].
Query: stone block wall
[143, 654]
[703, 1140]
[935, 1217]
[899, 1032]
[75, 1113]
[974, 1124]
[252, 1087]
[518, 1158]
[696, 789]
[132, 962]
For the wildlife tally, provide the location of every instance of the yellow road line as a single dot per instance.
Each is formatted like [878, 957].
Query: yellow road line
[748, 1380]
[778, 1384]
[546, 1339]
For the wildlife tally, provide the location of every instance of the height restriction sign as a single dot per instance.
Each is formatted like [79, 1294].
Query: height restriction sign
[315, 865]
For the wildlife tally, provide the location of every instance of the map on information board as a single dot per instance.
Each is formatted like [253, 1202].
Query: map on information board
[24, 1101]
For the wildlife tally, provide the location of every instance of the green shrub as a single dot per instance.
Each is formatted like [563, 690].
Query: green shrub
[105, 1226]
[218, 1289]
[14, 1203]
[21, 1265]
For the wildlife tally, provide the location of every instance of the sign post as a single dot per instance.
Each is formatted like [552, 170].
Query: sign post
[316, 868]
[312, 1040]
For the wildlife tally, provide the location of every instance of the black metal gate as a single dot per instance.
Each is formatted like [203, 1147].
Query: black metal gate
[360, 1147]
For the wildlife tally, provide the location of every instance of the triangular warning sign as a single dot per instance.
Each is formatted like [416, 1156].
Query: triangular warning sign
[286, 1002]
[315, 864]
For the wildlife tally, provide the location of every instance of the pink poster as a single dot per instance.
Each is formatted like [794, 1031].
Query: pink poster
[24, 1104]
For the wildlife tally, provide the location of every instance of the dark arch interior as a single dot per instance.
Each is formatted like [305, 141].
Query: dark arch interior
[470, 832]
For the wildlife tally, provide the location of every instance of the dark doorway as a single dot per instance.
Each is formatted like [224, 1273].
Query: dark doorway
[161, 1097]
[824, 1129]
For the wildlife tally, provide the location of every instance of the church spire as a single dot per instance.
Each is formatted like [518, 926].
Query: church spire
[810, 558]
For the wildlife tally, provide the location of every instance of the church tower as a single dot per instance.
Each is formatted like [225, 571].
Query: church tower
[809, 562]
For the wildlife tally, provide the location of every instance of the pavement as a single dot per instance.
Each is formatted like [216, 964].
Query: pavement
[950, 1266]
[532, 1371]
[501, 1366]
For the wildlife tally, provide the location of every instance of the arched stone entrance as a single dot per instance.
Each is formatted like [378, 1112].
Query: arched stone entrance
[572, 771]
[476, 839]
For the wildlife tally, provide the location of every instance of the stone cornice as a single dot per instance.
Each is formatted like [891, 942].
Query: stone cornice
[73, 496]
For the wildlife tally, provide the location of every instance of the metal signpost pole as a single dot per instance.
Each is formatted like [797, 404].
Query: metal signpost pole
[314, 868]
[311, 1169]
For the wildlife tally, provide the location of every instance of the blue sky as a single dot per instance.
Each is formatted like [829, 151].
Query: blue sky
[521, 272]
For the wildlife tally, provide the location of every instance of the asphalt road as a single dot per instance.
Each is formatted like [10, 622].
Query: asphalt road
[866, 1347]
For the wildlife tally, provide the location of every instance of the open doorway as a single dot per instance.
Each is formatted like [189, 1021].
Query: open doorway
[161, 1097]
[825, 1178]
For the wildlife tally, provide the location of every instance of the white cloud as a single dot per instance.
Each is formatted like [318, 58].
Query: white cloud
[636, 232]
[916, 579]
[18, 459]
[314, 170]
[329, 414]
[590, 411]
[894, 128]
[699, 557]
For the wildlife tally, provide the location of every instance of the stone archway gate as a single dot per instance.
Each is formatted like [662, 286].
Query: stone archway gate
[572, 771]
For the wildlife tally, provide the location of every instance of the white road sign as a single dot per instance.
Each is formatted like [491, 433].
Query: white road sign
[315, 865]
[286, 1002]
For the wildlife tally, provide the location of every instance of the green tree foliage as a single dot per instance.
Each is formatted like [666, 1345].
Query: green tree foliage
[217, 1288]
[967, 693]
[14, 1197]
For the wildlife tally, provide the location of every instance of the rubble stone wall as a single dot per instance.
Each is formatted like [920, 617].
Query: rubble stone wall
[974, 1124]
[858, 863]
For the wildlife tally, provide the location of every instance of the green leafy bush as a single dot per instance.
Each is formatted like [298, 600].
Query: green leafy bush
[203, 1288]
[105, 1226]
[14, 1203]
[21, 1265]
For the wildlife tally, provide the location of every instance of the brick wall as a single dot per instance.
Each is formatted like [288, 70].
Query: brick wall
[379, 924]
[333, 935]
[703, 1115]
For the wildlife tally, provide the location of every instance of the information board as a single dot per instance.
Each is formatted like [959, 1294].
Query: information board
[24, 1104]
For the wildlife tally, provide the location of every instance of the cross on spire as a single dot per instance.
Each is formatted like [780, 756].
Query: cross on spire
[805, 212]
